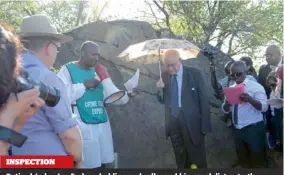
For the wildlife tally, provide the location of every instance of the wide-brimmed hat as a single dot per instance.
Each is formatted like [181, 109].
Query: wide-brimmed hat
[40, 26]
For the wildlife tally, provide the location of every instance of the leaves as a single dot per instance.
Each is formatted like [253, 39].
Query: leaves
[12, 12]
[236, 27]
[65, 15]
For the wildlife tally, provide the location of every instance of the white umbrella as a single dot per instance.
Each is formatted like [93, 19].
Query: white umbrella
[146, 52]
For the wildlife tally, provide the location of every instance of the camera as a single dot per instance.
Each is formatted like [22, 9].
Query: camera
[209, 54]
[51, 96]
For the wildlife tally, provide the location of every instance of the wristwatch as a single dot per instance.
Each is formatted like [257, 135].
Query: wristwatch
[12, 137]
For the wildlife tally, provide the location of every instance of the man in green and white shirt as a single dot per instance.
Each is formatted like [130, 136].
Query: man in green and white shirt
[86, 95]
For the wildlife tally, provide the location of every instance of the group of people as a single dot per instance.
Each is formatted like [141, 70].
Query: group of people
[256, 125]
[79, 125]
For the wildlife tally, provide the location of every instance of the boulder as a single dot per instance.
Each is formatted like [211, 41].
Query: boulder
[138, 127]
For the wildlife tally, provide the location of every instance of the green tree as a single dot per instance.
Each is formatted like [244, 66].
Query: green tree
[65, 15]
[12, 12]
[236, 27]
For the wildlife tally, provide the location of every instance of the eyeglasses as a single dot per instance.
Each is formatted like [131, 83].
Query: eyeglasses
[236, 75]
[171, 65]
[57, 45]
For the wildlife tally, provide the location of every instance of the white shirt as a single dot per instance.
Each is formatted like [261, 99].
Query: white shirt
[247, 114]
[179, 81]
[274, 68]
[97, 138]
[272, 96]
[74, 91]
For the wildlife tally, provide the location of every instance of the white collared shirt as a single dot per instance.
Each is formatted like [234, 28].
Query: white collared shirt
[247, 114]
[179, 80]
[274, 68]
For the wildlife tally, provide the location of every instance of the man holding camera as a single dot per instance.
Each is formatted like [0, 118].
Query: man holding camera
[11, 120]
[52, 130]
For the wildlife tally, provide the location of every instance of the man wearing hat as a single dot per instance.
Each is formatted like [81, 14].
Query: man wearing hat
[52, 130]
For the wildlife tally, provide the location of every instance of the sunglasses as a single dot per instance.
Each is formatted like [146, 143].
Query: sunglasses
[95, 55]
[236, 75]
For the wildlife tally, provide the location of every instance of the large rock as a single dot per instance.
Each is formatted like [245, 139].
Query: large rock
[138, 127]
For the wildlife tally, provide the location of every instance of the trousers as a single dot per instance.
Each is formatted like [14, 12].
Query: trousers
[250, 145]
[186, 152]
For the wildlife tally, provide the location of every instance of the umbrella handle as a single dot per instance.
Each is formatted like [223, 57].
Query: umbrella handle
[160, 69]
[159, 50]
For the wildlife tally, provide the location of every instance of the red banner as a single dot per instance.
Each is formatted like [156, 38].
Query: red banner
[37, 162]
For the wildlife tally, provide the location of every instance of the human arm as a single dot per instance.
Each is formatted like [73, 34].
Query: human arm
[215, 84]
[60, 118]
[279, 86]
[258, 100]
[160, 91]
[262, 76]
[74, 91]
[15, 119]
[226, 107]
[203, 102]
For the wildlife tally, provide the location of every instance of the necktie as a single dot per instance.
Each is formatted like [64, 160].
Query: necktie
[235, 116]
[174, 97]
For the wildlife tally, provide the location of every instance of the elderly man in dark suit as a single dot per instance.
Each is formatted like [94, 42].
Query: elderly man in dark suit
[183, 91]
[274, 60]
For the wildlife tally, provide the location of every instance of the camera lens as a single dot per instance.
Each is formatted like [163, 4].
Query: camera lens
[51, 96]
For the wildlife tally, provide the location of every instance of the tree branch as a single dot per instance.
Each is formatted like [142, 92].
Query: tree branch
[79, 12]
[153, 13]
[167, 16]
[231, 42]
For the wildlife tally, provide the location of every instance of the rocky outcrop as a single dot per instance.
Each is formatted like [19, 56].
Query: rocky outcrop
[138, 127]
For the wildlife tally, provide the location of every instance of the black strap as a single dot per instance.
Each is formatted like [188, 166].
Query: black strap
[12, 137]
[29, 66]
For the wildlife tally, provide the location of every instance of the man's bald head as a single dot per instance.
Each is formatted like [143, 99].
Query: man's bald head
[90, 53]
[273, 55]
[171, 54]
[88, 45]
[172, 61]
[238, 71]
[240, 66]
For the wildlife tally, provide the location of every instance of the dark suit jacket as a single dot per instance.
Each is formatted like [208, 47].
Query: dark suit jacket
[263, 73]
[262, 76]
[194, 100]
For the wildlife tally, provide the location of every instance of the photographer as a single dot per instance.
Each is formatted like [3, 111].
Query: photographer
[15, 108]
[52, 130]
